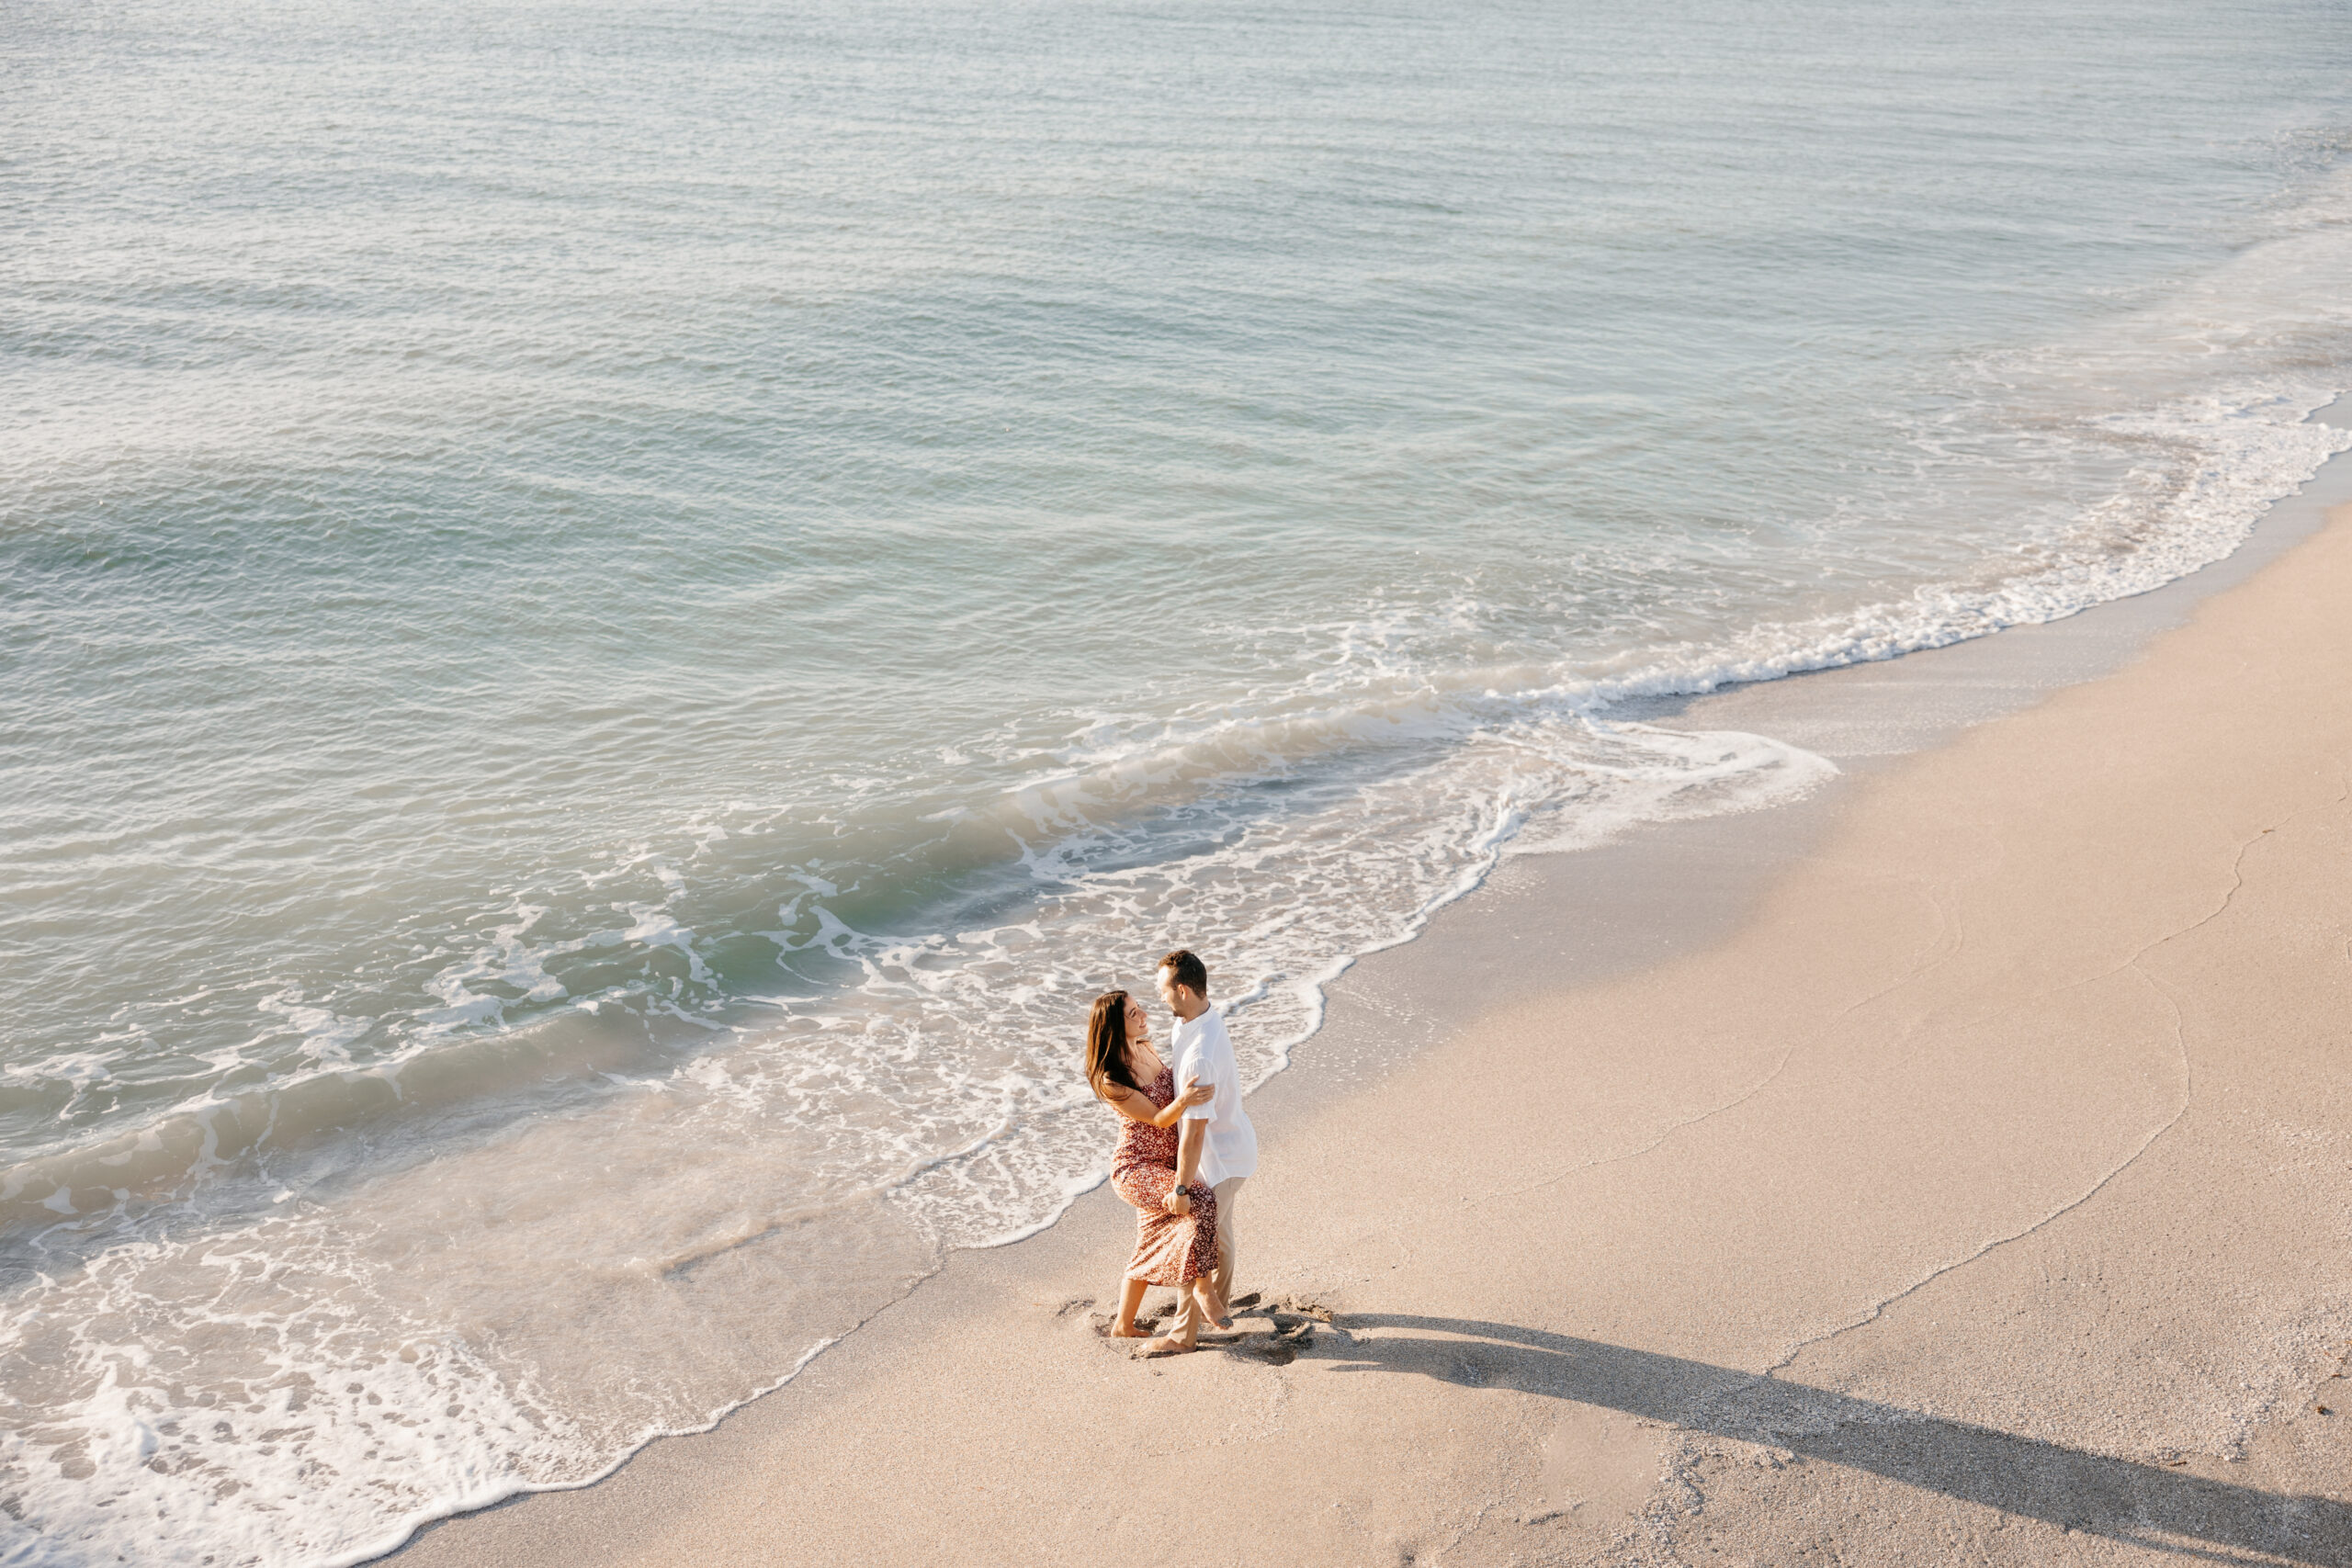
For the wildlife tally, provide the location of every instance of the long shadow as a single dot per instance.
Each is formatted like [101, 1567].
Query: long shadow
[2138, 1503]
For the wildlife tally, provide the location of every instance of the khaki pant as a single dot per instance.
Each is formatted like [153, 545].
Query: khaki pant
[1189, 1319]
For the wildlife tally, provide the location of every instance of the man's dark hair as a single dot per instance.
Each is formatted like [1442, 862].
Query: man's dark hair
[1187, 969]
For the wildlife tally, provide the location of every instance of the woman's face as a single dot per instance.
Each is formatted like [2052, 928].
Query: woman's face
[1139, 1025]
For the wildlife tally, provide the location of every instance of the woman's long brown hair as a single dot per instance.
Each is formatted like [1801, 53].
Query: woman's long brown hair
[1106, 1044]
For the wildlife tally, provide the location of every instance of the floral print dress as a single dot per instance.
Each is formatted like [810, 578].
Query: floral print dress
[1168, 1250]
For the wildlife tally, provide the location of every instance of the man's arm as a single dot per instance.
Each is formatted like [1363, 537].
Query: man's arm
[1193, 1129]
[1188, 1162]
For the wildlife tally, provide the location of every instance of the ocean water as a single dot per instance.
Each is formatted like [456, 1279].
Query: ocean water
[611, 616]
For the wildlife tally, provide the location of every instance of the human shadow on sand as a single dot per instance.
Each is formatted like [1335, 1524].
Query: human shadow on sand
[2149, 1505]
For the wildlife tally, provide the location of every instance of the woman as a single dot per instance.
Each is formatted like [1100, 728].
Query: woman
[1175, 1230]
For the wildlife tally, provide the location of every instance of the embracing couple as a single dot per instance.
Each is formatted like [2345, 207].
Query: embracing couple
[1182, 1156]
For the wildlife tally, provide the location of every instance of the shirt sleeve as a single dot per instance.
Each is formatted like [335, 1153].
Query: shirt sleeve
[1194, 1064]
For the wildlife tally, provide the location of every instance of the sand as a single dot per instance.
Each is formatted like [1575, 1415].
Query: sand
[1978, 1192]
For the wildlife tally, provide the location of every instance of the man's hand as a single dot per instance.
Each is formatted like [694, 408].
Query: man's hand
[1177, 1204]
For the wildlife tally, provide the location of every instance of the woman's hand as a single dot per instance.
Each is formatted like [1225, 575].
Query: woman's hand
[1198, 1093]
[1177, 1203]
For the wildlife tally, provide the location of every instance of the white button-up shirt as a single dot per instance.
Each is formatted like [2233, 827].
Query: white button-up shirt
[1204, 1055]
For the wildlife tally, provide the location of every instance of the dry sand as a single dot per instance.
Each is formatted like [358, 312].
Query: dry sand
[1981, 1196]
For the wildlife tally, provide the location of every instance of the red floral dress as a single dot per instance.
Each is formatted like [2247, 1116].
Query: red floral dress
[1168, 1250]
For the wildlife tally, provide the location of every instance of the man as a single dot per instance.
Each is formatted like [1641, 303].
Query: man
[1216, 1147]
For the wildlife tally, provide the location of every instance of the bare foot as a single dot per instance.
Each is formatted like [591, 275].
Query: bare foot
[1166, 1345]
[1129, 1331]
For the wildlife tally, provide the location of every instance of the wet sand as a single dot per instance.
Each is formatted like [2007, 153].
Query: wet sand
[1969, 1181]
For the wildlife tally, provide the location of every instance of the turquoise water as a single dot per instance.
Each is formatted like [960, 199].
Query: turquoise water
[613, 615]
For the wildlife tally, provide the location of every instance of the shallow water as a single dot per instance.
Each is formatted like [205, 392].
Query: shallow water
[614, 615]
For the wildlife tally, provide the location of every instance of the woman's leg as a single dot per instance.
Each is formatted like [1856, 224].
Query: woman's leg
[1161, 1240]
[1130, 1297]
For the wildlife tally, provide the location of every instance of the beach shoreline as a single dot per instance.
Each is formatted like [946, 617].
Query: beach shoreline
[619, 619]
[1589, 933]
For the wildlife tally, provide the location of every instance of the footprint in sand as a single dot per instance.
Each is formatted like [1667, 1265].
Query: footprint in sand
[1290, 1323]
[1081, 1311]
[1271, 1331]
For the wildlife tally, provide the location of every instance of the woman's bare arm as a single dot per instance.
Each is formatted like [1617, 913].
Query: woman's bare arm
[1137, 1107]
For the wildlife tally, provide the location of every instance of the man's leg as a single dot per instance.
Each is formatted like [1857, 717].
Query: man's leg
[1228, 1195]
[1196, 1312]
[1191, 1311]
[1202, 1304]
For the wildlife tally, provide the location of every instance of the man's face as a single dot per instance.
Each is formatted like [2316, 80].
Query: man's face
[1168, 992]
